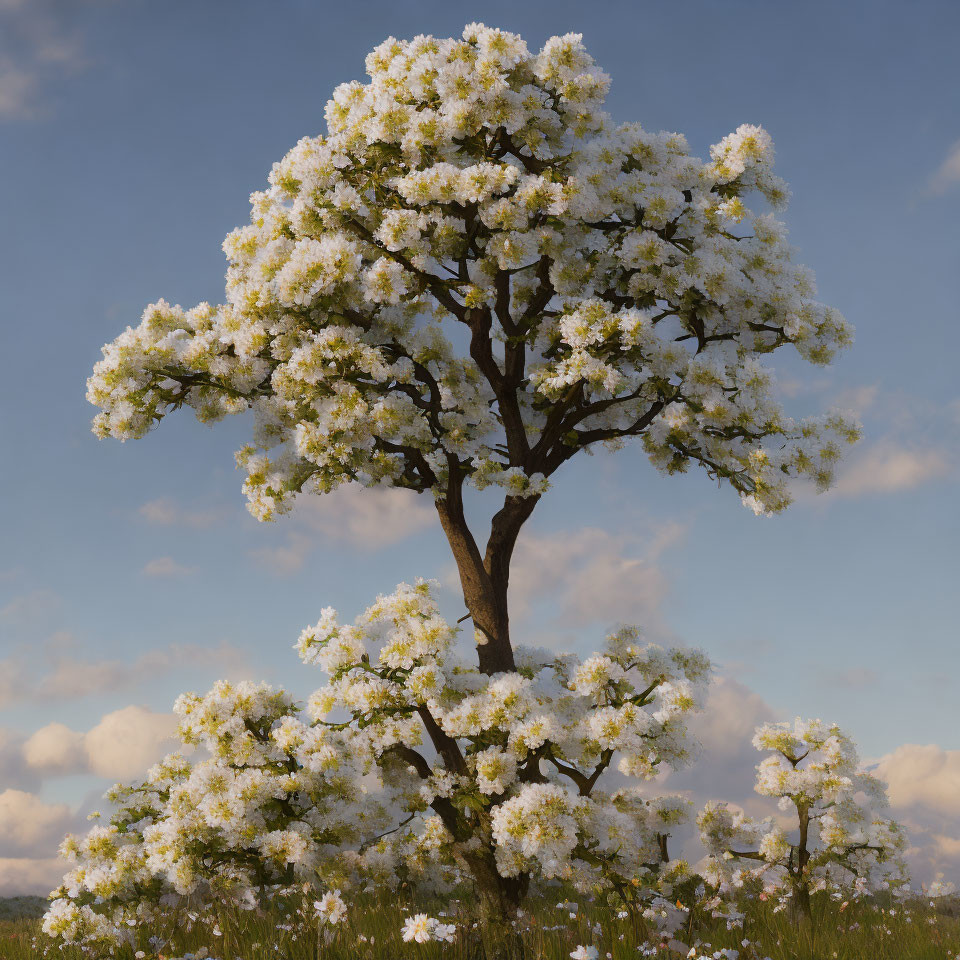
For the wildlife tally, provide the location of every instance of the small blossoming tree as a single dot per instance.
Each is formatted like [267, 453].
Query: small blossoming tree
[840, 841]
[472, 277]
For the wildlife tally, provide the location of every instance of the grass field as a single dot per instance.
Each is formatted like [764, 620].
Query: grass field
[918, 931]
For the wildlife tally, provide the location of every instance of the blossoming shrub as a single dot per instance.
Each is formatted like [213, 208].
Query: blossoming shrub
[838, 840]
[409, 764]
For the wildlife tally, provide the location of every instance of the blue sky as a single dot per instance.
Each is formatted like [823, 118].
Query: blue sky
[132, 134]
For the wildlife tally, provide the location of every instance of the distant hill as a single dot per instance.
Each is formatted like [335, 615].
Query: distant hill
[13, 908]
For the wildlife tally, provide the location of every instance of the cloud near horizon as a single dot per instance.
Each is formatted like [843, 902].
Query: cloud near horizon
[28, 825]
[120, 747]
[20, 876]
[923, 781]
[924, 784]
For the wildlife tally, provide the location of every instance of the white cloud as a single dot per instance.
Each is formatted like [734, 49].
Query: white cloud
[947, 174]
[36, 47]
[165, 567]
[888, 467]
[77, 678]
[164, 512]
[923, 777]
[14, 771]
[286, 558]
[13, 681]
[17, 86]
[126, 742]
[592, 574]
[924, 784]
[55, 748]
[360, 517]
[74, 678]
[29, 826]
[855, 677]
[369, 518]
[26, 875]
[229, 661]
[727, 767]
[120, 747]
[858, 399]
[31, 606]
[68, 677]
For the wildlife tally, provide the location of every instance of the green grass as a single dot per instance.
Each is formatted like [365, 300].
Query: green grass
[372, 932]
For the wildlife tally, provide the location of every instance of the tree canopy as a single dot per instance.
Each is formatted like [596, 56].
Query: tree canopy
[474, 275]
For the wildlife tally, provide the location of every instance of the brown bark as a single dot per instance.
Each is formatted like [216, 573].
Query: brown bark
[499, 899]
[800, 903]
[800, 908]
[485, 579]
[662, 839]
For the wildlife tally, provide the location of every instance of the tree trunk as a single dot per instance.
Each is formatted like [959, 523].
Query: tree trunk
[485, 579]
[800, 911]
[499, 935]
[800, 903]
[497, 903]
[662, 839]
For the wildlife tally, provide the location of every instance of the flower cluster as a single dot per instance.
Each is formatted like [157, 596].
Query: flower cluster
[271, 802]
[422, 929]
[516, 756]
[607, 283]
[73, 923]
[438, 772]
[836, 839]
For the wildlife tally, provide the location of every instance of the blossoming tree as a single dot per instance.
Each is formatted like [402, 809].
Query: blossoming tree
[471, 278]
[840, 842]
